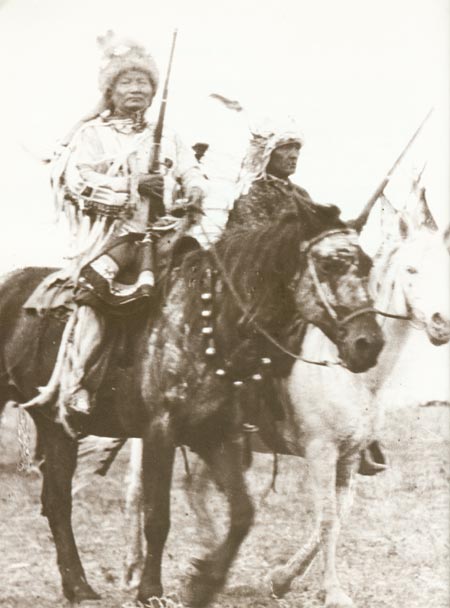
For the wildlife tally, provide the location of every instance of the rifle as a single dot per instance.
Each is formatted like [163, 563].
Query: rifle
[156, 209]
[359, 222]
[155, 204]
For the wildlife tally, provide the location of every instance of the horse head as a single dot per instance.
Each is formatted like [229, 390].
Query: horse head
[332, 292]
[409, 264]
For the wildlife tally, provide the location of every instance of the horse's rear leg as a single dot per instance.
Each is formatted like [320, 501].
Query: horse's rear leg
[58, 467]
[226, 465]
[134, 518]
[157, 465]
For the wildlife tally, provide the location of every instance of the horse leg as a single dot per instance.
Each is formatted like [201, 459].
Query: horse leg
[58, 467]
[335, 596]
[133, 518]
[298, 565]
[225, 462]
[331, 480]
[157, 465]
[197, 491]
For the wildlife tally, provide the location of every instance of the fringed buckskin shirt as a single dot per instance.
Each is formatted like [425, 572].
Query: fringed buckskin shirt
[104, 161]
[95, 179]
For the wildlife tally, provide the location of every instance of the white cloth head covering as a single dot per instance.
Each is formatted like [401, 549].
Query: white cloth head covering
[265, 138]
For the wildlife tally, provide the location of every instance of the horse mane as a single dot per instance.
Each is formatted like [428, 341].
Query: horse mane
[259, 264]
[263, 259]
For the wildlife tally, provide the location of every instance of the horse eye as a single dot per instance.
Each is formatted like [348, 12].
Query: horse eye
[411, 270]
[335, 265]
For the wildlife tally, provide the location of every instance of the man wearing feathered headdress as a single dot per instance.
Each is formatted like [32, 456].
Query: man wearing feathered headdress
[101, 180]
[265, 190]
[265, 193]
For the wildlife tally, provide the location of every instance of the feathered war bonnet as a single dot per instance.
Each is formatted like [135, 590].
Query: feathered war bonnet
[265, 138]
[119, 55]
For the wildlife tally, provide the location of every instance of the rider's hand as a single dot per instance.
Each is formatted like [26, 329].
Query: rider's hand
[195, 197]
[151, 185]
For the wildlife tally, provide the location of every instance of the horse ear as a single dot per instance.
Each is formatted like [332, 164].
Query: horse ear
[395, 225]
[404, 226]
[447, 238]
[422, 214]
[389, 219]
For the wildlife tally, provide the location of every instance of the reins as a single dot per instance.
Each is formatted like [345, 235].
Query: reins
[305, 250]
[242, 306]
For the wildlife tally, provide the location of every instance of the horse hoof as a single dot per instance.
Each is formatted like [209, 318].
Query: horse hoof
[279, 588]
[200, 590]
[84, 594]
[338, 599]
[151, 596]
[132, 577]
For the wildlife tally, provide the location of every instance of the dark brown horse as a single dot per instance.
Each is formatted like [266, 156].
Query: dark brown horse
[167, 382]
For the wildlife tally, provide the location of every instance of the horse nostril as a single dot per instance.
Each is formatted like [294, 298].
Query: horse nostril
[362, 344]
[437, 319]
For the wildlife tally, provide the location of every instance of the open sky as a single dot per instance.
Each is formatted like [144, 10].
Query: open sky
[358, 76]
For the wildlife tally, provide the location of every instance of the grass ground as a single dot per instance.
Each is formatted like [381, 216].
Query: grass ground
[394, 549]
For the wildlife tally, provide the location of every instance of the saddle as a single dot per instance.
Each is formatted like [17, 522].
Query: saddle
[122, 277]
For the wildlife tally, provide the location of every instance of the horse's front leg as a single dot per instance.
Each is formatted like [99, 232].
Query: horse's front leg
[330, 479]
[335, 509]
[157, 466]
[58, 467]
[225, 462]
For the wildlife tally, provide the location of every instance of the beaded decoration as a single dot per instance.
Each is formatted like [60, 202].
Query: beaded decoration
[207, 331]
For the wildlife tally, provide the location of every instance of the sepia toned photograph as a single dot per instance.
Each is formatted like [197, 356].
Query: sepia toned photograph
[225, 304]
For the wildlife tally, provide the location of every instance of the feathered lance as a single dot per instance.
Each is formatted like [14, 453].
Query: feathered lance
[359, 223]
[156, 204]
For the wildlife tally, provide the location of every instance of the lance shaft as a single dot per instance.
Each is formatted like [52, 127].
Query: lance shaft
[361, 220]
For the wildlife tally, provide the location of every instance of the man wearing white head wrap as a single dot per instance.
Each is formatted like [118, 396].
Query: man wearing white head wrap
[266, 191]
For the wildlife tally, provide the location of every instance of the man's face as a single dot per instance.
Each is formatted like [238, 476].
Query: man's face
[283, 160]
[132, 92]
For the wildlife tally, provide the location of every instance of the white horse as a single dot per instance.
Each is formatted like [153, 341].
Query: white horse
[331, 414]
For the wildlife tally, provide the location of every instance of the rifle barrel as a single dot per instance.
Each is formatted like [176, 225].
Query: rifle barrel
[154, 165]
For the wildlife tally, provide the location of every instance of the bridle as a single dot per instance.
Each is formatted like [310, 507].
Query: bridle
[306, 251]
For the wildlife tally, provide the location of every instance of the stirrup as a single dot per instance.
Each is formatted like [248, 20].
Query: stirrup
[80, 402]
